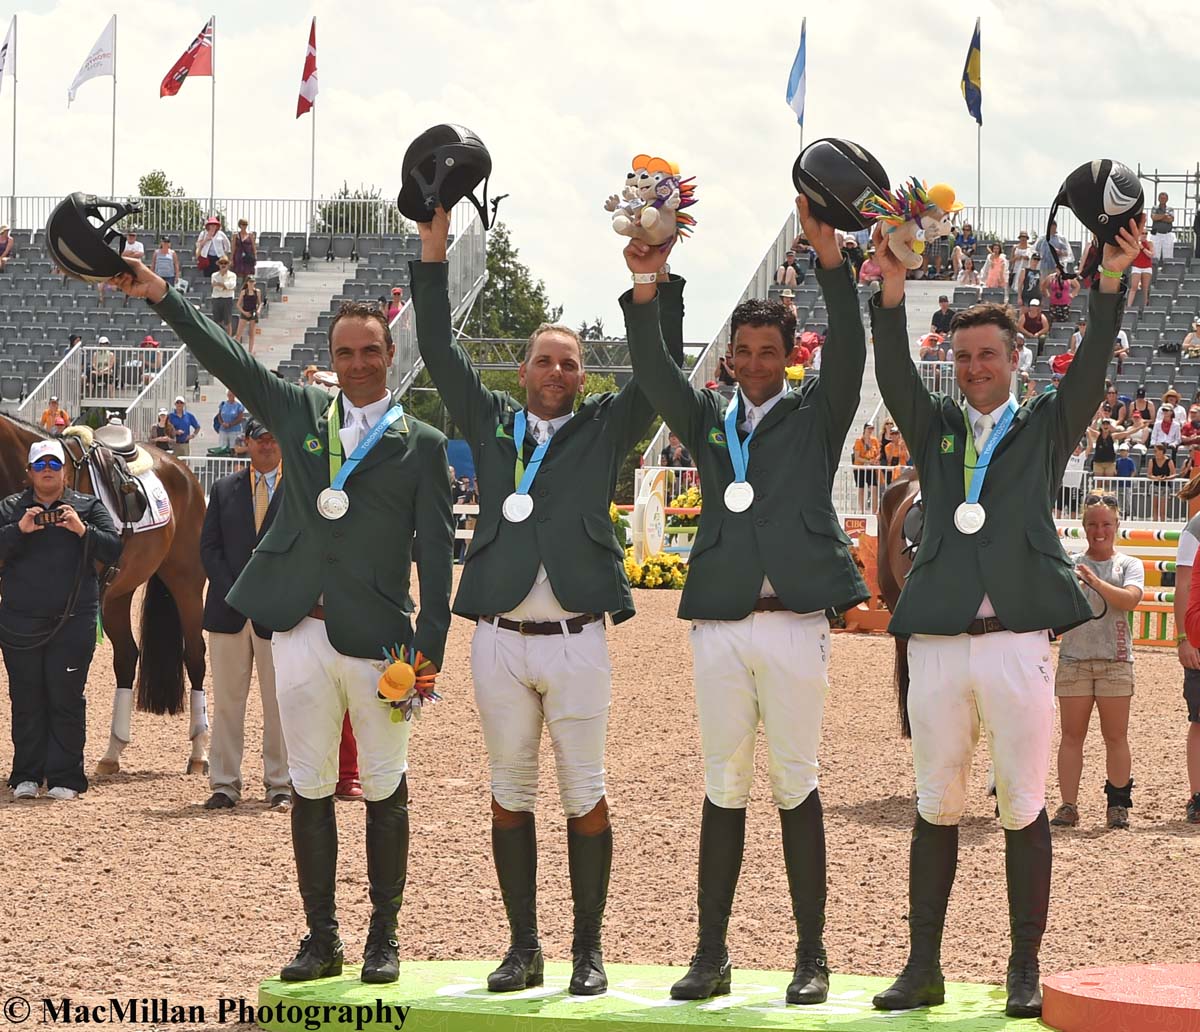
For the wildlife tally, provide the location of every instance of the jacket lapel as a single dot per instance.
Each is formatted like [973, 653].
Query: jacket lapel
[1018, 424]
[784, 407]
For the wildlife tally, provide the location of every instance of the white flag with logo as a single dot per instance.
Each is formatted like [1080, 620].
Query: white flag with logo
[101, 61]
[8, 51]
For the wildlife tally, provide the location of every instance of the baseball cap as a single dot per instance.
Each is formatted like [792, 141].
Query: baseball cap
[163, 412]
[255, 429]
[397, 290]
[1141, 392]
[44, 449]
[943, 298]
[181, 400]
[1035, 303]
[102, 340]
[54, 397]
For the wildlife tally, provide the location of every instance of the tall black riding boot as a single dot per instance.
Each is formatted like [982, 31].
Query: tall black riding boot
[722, 839]
[315, 845]
[515, 853]
[932, 862]
[387, 871]
[590, 860]
[803, 830]
[1027, 864]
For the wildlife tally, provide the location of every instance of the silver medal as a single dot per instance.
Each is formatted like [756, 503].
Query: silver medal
[739, 496]
[517, 507]
[333, 504]
[969, 517]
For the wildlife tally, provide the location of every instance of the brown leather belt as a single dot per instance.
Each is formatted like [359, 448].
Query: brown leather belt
[317, 612]
[770, 604]
[574, 625]
[985, 625]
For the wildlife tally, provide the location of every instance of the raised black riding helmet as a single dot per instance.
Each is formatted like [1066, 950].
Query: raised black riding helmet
[1104, 195]
[441, 166]
[79, 237]
[837, 176]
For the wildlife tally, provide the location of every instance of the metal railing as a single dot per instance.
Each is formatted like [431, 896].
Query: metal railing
[63, 382]
[678, 479]
[210, 468]
[171, 381]
[114, 376]
[939, 376]
[467, 258]
[1143, 500]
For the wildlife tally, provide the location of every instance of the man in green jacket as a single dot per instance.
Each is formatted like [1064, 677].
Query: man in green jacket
[989, 580]
[543, 569]
[769, 561]
[331, 578]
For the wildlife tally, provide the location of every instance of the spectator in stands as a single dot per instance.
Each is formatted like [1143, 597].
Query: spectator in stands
[995, 269]
[725, 372]
[1126, 463]
[964, 248]
[1018, 263]
[870, 274]
[853, 253]
[249, 304]
[790, 273]
[54, 419]
[1025, 359]
[309, 376]
[1104, 449]
[162, 434]
[185, 424]
[1089, 262]
[1059, 291]
[1112, 406]
[1034, 324]
[801, 354]
[396, 304]
[1029, 388]
[1095, 665]
[211, 246]
[1067, 501]
[104, 366]
[1051, 244]
[245, 251]
[1135, 437]
[1162, 471]
[224, 286]
[231, 418]
[1191, 342]
[931, 348]
[1142, 407]
[942, 318]
[1189, 432]
[73, 339]
[1162, 229]
[967, 276]
[866, 454]
[674, 454]
[165, 262]
[893, 450]
[1141, 272]
[1171, 399]
[8, 247]
[134, 248]
[788, 297]
[462, 492]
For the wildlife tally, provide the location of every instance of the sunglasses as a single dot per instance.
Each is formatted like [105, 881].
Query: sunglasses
[1101, 499]
[41, 465]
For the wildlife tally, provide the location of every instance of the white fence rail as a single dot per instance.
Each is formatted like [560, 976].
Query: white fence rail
[63, 382]
[142, 411]
[114, 376]
[1144, 500]
[210, 468]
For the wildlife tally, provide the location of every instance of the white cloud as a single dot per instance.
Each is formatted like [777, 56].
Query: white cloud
[565, 93]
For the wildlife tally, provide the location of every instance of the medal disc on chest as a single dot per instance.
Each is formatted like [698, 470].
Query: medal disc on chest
[969, 517]
[333, 504]
[739, 496]
[517, 507]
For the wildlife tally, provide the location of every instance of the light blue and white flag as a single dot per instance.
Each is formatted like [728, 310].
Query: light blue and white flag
[797, 79]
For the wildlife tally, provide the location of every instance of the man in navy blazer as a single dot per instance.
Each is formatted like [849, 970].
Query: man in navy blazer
[241, 507]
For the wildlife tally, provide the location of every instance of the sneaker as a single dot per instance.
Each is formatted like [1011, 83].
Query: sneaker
[1193, 809]
[28, 790]
[1118, 817]
[1066, 816]
[62, 793]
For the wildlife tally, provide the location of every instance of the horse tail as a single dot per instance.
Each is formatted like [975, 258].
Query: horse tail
[160, 674]
[901, 672]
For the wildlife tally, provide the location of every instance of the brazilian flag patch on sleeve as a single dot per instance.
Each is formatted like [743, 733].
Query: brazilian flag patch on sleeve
[948, 444]
[715, 436]
[313, 445]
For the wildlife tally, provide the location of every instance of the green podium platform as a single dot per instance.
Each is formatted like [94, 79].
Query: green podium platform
[452, 997]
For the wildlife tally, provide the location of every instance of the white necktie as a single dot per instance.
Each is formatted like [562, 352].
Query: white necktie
[983, 428]
[355, 431]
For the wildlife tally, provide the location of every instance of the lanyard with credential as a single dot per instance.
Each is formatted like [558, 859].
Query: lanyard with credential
[339, 473]
[739, 451]
[523, 475]
[975, 468]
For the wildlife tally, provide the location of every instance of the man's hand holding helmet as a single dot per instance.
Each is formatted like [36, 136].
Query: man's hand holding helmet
[820, 235]
[1119, 256]
[434, 236]
[141, 281]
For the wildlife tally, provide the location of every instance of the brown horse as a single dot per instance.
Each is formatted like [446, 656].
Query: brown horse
[167, 561]
[895, 560]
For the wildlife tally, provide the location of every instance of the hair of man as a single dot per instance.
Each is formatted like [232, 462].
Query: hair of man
[989, 313]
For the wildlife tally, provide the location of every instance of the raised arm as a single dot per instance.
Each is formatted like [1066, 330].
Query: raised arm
[263, 392]
[433, 552]
[467, 400]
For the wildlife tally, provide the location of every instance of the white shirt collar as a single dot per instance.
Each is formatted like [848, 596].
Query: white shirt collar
[760, 411]
[372, 412]
[973, 413]
[555, 424]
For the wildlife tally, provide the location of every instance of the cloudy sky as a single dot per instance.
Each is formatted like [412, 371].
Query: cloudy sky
[565, 93]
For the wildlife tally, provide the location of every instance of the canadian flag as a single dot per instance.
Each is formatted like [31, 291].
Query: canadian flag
[308, 80]
[196, 60]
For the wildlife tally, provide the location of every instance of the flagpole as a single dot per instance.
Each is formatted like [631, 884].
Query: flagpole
[312, 178]
[113, 169]
[979, 129]
[212, 138]
[12, 204]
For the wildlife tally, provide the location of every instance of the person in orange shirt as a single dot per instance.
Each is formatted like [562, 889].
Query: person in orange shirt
[54, 419]
[866, 453]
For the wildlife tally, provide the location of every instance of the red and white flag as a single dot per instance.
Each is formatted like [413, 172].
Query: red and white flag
[196, 60]
[308, 80]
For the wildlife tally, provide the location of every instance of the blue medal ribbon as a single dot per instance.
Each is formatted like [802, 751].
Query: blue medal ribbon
[523, 475]
[976, 468]
[739, 451]
[364, 446]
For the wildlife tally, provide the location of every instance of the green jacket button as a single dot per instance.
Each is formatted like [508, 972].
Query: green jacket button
[760, 522]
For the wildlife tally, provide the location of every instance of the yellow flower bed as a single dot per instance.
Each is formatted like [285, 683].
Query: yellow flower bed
[663, 570]
[690, 499]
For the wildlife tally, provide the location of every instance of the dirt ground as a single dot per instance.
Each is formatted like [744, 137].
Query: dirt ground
[135, 890]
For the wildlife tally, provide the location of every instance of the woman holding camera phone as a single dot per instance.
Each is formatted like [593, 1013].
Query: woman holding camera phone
[50, 541]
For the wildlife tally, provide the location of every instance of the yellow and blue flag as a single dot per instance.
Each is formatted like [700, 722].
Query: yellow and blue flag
[972, 89]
